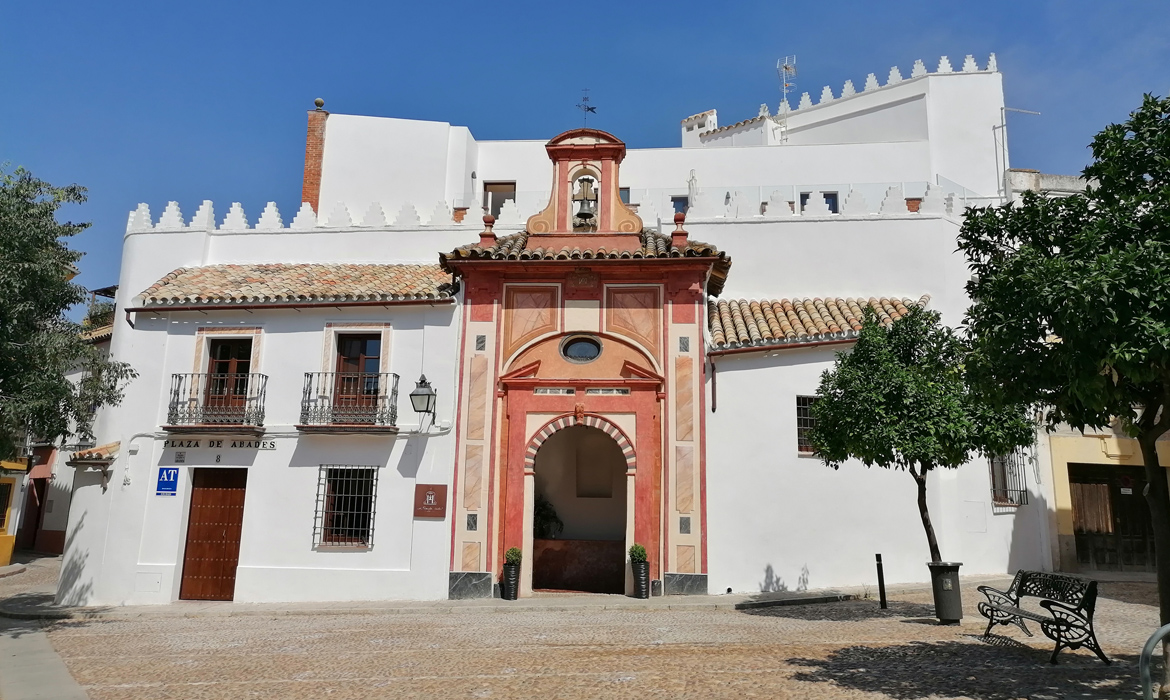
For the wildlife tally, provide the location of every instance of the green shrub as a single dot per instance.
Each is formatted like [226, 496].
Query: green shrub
[513, 556]
[637, 553]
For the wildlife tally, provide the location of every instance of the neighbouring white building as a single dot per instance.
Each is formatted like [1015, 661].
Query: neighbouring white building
[644, 376]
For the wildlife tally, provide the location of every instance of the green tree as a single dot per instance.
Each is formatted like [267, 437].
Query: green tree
[38, 344]
[900, 400]
[1072, 300]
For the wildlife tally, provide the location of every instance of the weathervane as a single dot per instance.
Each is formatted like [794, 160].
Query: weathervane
[585, 107]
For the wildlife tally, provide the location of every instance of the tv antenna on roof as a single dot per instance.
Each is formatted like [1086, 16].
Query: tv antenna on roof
[786, 69]
[585, 107]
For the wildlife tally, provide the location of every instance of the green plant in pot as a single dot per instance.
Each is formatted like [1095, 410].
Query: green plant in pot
[641, 568]
[510, 581]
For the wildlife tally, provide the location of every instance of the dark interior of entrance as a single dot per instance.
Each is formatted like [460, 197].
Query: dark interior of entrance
[581, 478]
[1111, 519]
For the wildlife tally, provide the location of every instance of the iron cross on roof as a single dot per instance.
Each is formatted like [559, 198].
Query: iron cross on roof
[585, 107]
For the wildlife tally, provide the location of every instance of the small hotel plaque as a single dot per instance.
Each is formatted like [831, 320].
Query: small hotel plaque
[430, 500]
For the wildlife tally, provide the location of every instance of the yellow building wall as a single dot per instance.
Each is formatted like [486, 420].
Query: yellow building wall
[8, 534]
[1087, 449]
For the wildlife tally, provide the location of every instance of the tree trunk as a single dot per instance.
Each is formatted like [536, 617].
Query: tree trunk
[1158, 498]
[920, 478]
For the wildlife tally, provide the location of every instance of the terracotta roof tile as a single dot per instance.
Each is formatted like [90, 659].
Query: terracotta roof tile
[654, 245]
[736, 125]
[743, 323]
[99, 334]
[96, 455]
[276, 284]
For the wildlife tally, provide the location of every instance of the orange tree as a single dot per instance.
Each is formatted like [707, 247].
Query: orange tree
[900, 400]
[1072, 300]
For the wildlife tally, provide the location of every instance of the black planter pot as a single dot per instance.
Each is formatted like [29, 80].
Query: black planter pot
[641, 579]
[510, 582]
[948, 599]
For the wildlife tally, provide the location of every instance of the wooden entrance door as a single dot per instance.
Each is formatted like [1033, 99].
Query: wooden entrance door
[1111, 519]
[213, 534]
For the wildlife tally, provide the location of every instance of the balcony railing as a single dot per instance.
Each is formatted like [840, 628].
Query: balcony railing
[350, 401]
[216, 400]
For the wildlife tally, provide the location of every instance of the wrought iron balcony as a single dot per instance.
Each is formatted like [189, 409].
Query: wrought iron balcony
[204, 402]
[349, 402]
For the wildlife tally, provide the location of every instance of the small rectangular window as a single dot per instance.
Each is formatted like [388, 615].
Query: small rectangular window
[554, 391]
[1009, 486]
[680, 203]
[472, 522]
[608, 392]
[495, 194]
[345, 506]
[480, 343]
[684, 525]
[804, 422]
[684, 344]
[624, 194]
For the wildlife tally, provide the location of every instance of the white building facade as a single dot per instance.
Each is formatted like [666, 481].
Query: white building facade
[603, 373]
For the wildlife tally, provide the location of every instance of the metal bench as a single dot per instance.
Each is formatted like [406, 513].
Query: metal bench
[1069, 600]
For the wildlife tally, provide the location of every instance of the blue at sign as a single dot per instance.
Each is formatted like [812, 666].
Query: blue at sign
[168, 481]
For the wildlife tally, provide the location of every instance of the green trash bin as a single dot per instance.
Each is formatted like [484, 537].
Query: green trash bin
[948, 598]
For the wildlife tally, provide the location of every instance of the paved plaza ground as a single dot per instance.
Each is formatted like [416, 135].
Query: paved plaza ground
[837, 650]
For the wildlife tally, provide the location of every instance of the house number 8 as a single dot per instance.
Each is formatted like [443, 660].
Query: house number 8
[218, 459]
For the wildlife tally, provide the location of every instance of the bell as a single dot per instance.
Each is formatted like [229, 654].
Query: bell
[586, 211]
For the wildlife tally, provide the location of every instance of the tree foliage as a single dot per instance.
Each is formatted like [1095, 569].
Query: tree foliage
[1072, 299]
[38, 344]
[900, 400]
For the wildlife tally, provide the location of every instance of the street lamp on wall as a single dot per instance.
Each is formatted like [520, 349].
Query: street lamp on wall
[423, 397]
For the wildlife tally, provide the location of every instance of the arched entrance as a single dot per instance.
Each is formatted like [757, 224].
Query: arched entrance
[579, 519]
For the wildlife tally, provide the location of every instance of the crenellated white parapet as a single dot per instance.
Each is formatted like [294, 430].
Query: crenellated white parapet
[805, 101]
[919, 69]
[375, 216]
[235, 219]
[826, 95]
[944, 66]
[854, 204]
[441, 215]
[269, 219]
[204, 219]
[338, 217]
[895, 202]
[305, 219]
[407, 216]
[171, 216]
[894, 77]
[969, 64]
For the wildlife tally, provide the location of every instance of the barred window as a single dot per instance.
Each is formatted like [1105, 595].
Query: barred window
[804, 422]
[1009, 485]
[345, 506]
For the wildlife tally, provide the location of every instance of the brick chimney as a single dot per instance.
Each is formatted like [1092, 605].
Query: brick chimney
[314, 154]
[678, 237]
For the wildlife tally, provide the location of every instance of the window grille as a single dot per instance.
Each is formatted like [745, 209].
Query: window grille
[804, 422]
[554, 390]
[345, 506]
[1009, 486]
[608, 392]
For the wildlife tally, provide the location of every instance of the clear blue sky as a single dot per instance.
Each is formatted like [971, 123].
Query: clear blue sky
[158, 101]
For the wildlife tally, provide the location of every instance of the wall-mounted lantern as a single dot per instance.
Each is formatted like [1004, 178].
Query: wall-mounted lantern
[423, 397]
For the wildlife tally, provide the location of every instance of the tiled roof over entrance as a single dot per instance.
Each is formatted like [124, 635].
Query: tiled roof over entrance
[743, 323]
[276, 284]
[654, 245]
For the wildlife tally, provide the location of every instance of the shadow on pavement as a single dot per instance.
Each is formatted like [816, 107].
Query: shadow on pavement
[997, 670]
[846, 611]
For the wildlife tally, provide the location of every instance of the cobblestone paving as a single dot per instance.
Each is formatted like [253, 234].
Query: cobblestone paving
[840, 650]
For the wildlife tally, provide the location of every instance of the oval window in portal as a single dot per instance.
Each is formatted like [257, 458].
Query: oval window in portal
[581, 348]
